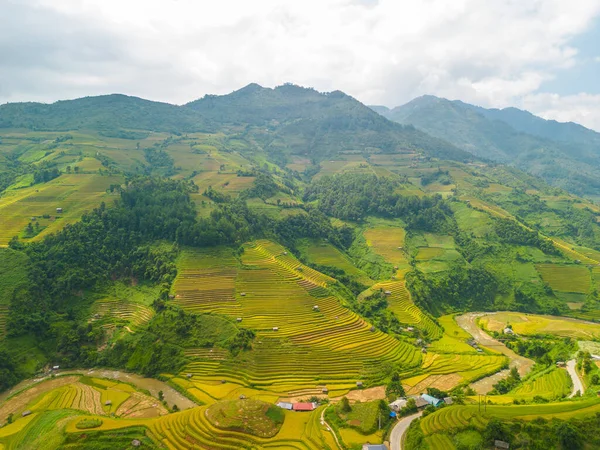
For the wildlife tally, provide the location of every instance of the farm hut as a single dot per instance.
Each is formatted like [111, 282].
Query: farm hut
[372, 329]
[395, 267]
[239, 319]
[223, 381]
[501, 445]
[508, 330]
[410, 329]
[286, 405]
[275, 328]
[26, 413]
[304, 406]
[388, 292]
[423, 350]
[189, 375]
[136, 443]
[397, 405]
[108, 403]
[448, 400]
[374, 447]
[419, 341]
[420, 402]
[59, 210]
[171, 296]
[479, 350]
[285, 253]
[400, 248]
[316, 308]
[243, 294]
[432, 400]
[242, 397]
[561, 364]
[359, 384]
[325, 390]
[55, 367]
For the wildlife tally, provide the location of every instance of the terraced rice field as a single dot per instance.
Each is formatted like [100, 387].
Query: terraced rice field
[531, 324]
[389, 243]
[440, 442]
[552, 385]
[112, 311]
[468, 367]
[325, 254]
[76, 194]
[400, 303]
[454, 338]
[328, 345]
[192, 430]
[574, 278]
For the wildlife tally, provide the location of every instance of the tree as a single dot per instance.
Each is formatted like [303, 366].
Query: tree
[394, 388]
[345, 405]
[161, 395]
[569, 437]
[496, 430]
[76, 169]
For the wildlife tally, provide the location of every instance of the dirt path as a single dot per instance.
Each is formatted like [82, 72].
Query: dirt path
[468, 322]
[577, 384]
[323, 422]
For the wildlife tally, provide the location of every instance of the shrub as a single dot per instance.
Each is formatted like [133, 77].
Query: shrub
[86, 424]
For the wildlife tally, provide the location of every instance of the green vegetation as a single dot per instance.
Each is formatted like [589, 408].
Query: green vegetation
[247, 416]
[88, 423]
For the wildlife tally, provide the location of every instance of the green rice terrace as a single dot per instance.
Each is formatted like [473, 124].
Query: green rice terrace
[183, 281]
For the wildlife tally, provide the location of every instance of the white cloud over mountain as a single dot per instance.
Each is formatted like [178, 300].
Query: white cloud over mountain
[493, 53]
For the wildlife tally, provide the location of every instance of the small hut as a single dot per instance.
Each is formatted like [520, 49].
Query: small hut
[59, 210]
[108, 403]
[359, 384]
[316, 308]
[388, 292]
[223, 381]
[242, 294]
[136, 443]
[239, 319]
[242, 397]
[275, 328]
[189, 375]
[372, 329]
[325, 390]
[26, 413]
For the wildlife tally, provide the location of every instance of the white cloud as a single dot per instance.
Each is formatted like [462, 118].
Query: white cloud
[488, 52]
[581, 108]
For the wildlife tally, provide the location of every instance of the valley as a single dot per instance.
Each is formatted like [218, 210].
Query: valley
[197, 273]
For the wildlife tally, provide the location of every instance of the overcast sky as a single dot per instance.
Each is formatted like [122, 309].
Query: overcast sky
[540, 55]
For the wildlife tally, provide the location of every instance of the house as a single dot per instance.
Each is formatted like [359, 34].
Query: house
[420, 403]
[508, 331]
[561, 364]
[55, 367]
[374, 447]
[448, 400]
[285, 405]
[432, 400]
[304, 406]
[59, 210]
[397, 405]
[501, 444]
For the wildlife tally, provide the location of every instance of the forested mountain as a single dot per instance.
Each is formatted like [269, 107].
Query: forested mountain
[566, 155]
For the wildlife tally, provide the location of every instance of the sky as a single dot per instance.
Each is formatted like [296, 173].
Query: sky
[539, 55]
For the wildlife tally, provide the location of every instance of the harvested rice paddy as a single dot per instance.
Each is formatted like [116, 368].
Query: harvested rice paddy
[531, 324]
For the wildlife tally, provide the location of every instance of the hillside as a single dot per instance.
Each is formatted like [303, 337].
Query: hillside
[565, 155]
[239, 277]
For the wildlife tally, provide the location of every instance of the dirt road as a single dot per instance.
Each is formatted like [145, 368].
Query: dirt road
[577, 384]
[468, 322]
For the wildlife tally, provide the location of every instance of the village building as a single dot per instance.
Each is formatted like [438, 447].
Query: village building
[508, 330]
[374, 447]
[501, 445]
[285, 405]
[397, 405]
[304, 406]
[432, 400]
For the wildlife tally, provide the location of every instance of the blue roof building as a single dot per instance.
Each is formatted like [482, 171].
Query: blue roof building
[432, 400]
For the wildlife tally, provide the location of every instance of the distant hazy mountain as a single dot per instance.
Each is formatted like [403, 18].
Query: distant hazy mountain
[565, 154]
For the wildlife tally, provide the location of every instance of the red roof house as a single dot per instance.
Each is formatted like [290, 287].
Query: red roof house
[304, 406]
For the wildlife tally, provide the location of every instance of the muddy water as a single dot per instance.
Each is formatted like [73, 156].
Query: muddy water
[152, 385]
[468, 322]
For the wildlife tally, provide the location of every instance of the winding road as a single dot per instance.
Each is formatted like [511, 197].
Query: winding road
[399, 430]
[577, 384]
